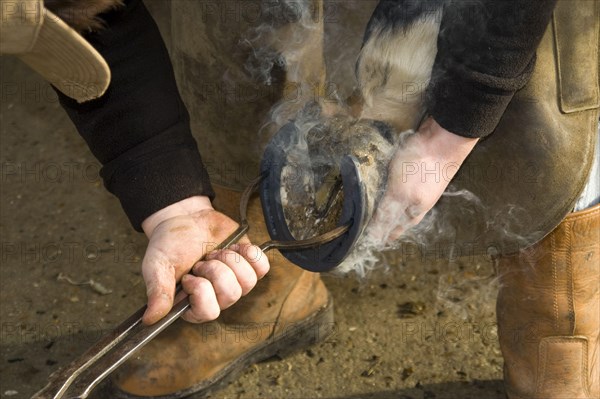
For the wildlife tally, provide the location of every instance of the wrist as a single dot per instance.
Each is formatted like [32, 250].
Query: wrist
[446, 145]
[184, 207]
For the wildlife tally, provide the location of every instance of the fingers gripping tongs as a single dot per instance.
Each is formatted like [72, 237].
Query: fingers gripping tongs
[80, 377]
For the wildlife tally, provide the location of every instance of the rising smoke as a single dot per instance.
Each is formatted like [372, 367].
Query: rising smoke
[394, 69]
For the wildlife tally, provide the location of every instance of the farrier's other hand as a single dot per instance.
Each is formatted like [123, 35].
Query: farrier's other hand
[180, 235]
[419, 173]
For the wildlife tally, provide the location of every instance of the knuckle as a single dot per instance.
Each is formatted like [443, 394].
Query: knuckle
[230, 297]
[190, 317]
[187, 316]
[262, 267]
[208, 268]
[412, 212]
[196, 286]
[204, 304]
[228, 255]
[248, 281]
[251, 280]
[223, 275]
[203, 284]
[210, 313]
[263, 271]
[188, 286]
[253, 254]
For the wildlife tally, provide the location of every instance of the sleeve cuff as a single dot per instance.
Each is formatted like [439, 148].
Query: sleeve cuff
[159, 172]
[471, 104]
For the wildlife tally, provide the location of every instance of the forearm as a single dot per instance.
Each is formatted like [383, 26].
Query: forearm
[139, 129]
[486, 52]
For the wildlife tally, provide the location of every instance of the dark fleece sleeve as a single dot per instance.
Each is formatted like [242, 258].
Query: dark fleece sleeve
[139, 130]
[486, 52]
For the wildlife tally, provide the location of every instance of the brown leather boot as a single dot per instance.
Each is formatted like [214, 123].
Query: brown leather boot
[288, 309]
[549, 313]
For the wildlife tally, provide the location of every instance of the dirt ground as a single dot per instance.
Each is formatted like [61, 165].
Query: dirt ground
[425, 328]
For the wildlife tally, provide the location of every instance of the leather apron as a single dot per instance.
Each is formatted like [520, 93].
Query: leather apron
[529, 173]
[522, 180]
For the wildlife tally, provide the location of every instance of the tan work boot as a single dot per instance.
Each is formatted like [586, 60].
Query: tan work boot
[288, 309]
[549, 313]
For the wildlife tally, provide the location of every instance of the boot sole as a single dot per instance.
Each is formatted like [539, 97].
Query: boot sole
[312, 330]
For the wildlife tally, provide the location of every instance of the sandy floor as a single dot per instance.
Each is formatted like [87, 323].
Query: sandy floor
[424, 329]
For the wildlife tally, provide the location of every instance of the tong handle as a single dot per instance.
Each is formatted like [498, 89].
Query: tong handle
[119, 345]
[61, 380]
[109, 363]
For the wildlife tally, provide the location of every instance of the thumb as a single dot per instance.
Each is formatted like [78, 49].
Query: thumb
[160, 288]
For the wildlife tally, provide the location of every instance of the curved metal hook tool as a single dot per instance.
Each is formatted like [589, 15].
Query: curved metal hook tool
[81, 376]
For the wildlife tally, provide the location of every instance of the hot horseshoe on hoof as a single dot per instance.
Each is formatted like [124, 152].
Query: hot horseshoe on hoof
[319, 174]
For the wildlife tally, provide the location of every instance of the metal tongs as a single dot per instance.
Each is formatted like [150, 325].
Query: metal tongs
[80, 377]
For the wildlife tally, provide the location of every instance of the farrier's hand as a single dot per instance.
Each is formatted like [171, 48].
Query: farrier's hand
[418, 175]
[180, 235]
